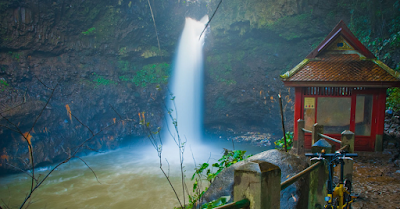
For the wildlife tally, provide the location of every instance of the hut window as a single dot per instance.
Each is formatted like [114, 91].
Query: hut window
[309, 112]
[363, 115]
[339, 44]
[334, 114]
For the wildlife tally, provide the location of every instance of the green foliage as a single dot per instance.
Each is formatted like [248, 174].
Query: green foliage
[101, 81]
[376, 26]
[124, 65]
[253, 14]
[280, 144]
[393, 99]
[122, 52]
[295, 26]
[106, 24]
[124, 78]
[3, 84]
[215, 203]
[90, 31]
[153, 73]
[14, 55]
[220, 103]
[221, 66]
[153, 52]
[229, 158]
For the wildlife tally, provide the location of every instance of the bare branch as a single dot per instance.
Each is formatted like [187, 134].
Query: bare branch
[91, 149]
[48, 100]
[20, 104]
[5, 205]
[29, 132]
[9, 128]
[210, 19]
[81, 123]
[24, 171]
[116, 112]
[43, 83]
[90, 169]
[72, 155]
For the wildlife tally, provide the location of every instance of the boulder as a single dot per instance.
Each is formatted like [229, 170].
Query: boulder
[294, 196]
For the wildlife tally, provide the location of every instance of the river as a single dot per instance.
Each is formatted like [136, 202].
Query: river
[129, 177]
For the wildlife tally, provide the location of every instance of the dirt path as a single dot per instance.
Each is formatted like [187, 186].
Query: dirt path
[377, 181]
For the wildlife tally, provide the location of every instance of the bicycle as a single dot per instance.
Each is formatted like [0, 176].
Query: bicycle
[339, 197]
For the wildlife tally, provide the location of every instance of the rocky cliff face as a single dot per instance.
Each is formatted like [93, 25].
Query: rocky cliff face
[102, 60]
[104, 55]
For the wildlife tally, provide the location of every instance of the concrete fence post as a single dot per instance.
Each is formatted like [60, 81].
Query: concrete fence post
[317, 129]
[318, 178]
[299, 144]
[260, 182]
[348, 139]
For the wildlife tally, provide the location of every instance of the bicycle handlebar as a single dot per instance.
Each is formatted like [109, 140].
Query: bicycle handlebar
[331, 154]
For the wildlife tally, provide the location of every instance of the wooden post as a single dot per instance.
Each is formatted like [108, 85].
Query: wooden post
[283, 122]
[348, 139]
[317, 129]
[318, 178]
[299, 144]
[260, 182]
[379, 143]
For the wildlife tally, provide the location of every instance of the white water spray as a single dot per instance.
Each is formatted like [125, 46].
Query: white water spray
[186, 84]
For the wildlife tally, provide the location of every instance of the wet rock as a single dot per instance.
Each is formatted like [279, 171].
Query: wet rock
[292, 197]
[397, 163]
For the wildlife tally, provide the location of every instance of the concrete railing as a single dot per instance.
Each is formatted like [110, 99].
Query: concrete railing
[347, 138]
[257, 184]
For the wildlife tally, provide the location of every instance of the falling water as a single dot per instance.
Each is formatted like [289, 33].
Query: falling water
[187, 82]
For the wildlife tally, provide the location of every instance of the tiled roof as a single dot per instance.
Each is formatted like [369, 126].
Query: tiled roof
[341, 67]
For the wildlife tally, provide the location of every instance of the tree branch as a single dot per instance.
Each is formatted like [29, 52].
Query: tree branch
[20, 104]
[81, 123]
[90, 169]
[115, 111]
[24, 171]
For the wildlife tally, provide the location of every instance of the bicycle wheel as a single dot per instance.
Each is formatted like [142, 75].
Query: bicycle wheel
[346, 195]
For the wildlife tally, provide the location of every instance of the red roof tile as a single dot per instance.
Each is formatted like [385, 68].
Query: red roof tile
[341, 59]
[341, 67]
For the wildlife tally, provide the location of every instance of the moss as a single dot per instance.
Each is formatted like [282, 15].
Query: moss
[122, 51]
[14, 55]
[256, 13]
[124, 65]
[220, 103]
[152, 74]
[3, 84]
[295, 26]
[153, 52]
[106, 24]
[124, 78]
[221, 66]
[90, 31]
[101, 81]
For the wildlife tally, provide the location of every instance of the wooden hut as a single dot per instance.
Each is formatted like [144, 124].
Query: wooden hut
[342, 86]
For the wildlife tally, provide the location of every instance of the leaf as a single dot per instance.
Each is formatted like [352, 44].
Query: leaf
[195, 185]
[204, 166]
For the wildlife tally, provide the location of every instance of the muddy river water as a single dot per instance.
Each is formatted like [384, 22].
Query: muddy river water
[129, 177]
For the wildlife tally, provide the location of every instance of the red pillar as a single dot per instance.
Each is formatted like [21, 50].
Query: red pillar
[297, 108]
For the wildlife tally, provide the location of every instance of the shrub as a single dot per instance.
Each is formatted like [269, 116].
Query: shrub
[280, 144]
[393, 99]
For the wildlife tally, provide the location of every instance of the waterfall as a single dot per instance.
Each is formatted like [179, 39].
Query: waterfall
[186, 84]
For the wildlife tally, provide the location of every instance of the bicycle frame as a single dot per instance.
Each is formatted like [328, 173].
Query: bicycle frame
[338, 192]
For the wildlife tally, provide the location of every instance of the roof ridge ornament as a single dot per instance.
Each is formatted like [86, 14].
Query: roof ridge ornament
[341, 60]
